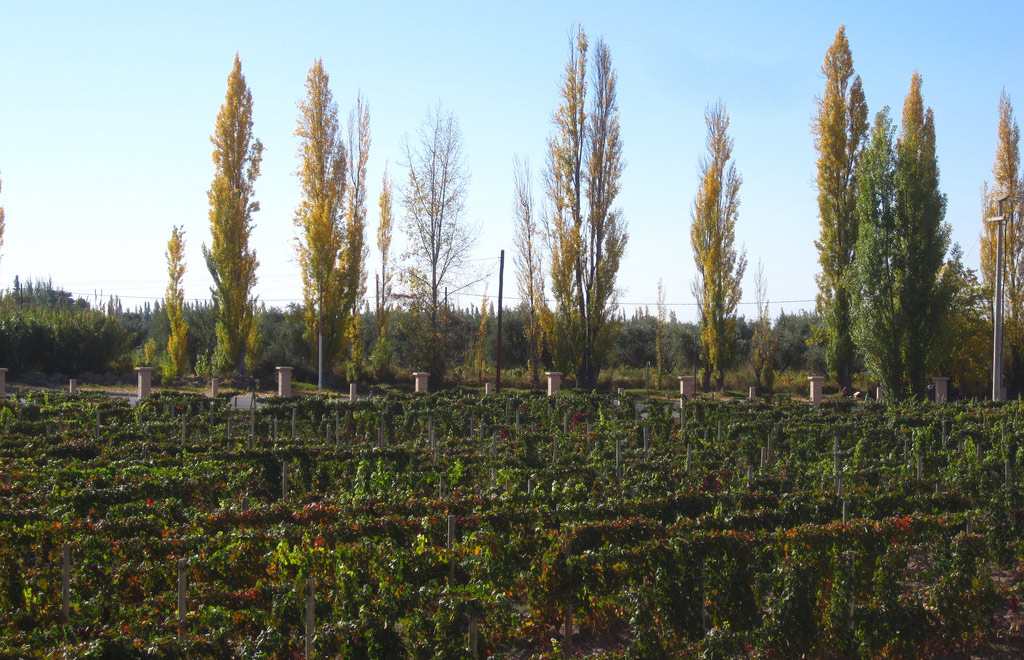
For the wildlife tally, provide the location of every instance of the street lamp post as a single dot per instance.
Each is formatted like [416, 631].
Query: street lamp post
[997, 323]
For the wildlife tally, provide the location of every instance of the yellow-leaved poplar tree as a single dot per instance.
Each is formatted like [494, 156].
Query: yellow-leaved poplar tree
[381, 354]
[530, 273]
[713, 236]
[232, 263]
[480, 350]
[354, 259]
[587, 233]
[319, 219]
[840, 131]
[1006, 175]
[174, 304]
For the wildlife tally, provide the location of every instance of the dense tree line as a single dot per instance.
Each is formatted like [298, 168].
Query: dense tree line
[43, 328]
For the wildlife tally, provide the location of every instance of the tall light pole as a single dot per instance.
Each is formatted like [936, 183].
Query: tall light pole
[997, 324]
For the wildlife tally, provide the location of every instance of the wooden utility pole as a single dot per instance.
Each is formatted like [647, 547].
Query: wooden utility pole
[501, 285]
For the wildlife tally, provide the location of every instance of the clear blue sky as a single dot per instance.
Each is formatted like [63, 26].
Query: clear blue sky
[106, 111]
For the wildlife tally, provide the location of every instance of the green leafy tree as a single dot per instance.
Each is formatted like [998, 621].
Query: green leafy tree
[232, 263]
[587, 233]
[174, 303]
[720, 266]
[840, 128]
[319, 218]
[902, 300]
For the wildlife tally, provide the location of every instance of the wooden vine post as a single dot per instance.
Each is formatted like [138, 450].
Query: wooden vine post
[567, 634]
[310, 615]
[65, 582]
[182, 597]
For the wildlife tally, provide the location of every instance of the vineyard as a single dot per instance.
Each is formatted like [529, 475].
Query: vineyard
[453, 525]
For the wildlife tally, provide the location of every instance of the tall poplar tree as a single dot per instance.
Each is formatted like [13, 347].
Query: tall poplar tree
[840, 129]
[903, 292]
[439, 237]
[529, 273]
[587, 233]
[174, 303]
[354, 261]
[232, 263]
[319, 219]
[1006, 180]
[720, 266]
[381, 354]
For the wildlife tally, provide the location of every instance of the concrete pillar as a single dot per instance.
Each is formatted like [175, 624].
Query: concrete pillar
[878, 393]
[816, 383]
[214, 386]
[352, 393]
[554, 382]
[487, 388]
[686, 387]
[941, 389]
[621, 391]
[420, 379]
[145, 381]
[3, 381]
[752, 394]
[284, 381]
[72, 386]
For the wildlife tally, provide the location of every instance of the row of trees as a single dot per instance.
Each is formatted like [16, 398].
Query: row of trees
[891, 292]
[330, 222]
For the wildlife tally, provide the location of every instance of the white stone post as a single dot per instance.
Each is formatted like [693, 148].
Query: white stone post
[554, 382]
[214, 386]
[72, 386]
[145, 381]
[878, 393]
[941, 388]
[3, 381]
[352, 393]
[487, 388]
[816, 383]
[686, 387]
[284, 381]
[420, 379]
[752, 394]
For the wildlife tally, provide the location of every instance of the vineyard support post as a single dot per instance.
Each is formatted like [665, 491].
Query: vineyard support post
[214, 386]
[752, 393]
[421, 382]
[310, 615]
[474, 624]
[284, 479]
[352, 396]
[567, 635]
[295, 418]
[941, 388]
[73, 386]
[618, 460]
[3, 381]
[65, 582]
[451, 546]
[182, 597]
